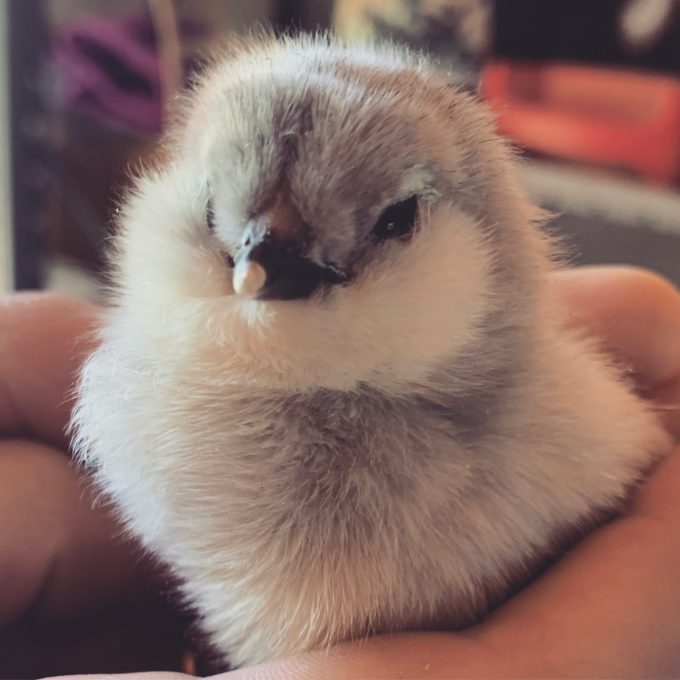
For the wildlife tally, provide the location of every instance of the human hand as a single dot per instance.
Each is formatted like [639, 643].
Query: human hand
[74, 595]
[609, 607]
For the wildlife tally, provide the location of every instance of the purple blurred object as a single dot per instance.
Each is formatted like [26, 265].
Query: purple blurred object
[110, 70]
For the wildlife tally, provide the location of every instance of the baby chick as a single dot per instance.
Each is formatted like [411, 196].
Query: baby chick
[335, 392]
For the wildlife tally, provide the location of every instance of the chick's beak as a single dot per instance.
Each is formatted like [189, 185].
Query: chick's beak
[270, 265]
[249, 277]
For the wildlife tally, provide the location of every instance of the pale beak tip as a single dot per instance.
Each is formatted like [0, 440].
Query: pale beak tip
[248, 278]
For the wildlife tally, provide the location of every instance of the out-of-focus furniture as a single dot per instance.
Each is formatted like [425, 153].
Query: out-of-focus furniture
[609, 117]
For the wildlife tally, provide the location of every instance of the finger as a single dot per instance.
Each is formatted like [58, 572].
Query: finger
[59, 557]
[43, 341]
[658, 499]
[636, 315]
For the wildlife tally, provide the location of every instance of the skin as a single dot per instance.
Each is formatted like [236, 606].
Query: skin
[609, 608]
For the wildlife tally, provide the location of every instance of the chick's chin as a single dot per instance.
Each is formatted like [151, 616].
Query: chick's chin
[414, 305]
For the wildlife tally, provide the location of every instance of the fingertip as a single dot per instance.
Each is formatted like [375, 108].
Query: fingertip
[658, 497]
[43, 339]
[634, 312]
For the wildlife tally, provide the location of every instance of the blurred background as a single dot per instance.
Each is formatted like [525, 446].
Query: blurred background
[589, 91]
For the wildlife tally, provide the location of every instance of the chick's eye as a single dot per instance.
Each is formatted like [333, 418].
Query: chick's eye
[396, 220]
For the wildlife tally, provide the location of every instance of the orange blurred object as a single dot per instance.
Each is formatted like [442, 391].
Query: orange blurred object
[610, 117]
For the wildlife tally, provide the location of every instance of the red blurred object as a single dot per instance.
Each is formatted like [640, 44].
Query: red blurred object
[605, 116]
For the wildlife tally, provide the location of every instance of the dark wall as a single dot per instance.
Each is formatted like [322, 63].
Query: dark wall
[581, 30]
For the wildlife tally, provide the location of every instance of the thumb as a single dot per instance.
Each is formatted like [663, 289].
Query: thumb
[636, 316]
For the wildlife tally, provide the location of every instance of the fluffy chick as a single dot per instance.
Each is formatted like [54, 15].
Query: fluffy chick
[334, 390]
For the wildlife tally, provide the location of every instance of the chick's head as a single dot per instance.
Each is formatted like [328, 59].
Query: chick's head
[330, 216]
